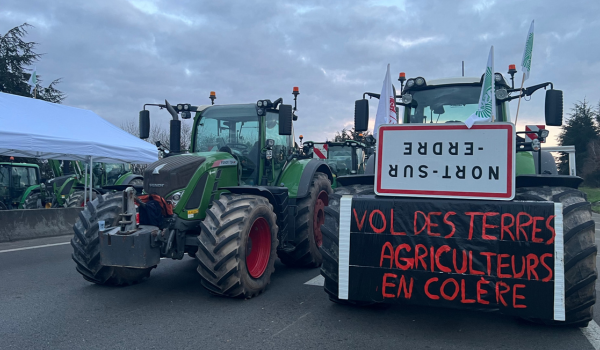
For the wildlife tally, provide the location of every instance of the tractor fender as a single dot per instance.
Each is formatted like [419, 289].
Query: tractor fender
[298, 175]
[129, 178]
[34, 188]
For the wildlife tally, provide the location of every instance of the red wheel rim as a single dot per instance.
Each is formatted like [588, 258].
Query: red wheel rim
[258, 250]
[319, 217]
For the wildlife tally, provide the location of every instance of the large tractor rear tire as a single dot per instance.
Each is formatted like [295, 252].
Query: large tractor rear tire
[236, 255]
[310, 217]
[331, 237]
[580, 251]
[33, 201]
[85, 242]
[75, 200]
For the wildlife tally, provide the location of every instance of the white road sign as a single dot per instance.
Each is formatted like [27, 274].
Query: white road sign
[446, 161]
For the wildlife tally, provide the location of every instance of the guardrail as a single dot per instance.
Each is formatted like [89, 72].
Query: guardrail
[16, 225]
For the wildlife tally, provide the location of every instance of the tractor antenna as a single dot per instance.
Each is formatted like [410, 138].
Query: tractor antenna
[295, 92]
[463, 68]
[213, 97]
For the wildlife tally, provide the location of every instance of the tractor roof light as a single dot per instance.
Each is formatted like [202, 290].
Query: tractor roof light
[259, 103]
[406, 99]
[410, 83]
[544, 133]
[296, 91]
[512, 69]
[402, 77]
[420, 81]
[536, 145]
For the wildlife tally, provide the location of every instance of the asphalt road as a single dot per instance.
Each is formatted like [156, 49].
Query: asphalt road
[45, 304]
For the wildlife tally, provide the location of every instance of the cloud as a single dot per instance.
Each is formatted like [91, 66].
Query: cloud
[114, 55]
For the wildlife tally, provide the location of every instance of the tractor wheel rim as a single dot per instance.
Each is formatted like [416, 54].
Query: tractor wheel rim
[258, 252]
[319, 217]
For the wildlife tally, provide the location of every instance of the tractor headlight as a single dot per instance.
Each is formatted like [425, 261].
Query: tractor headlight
[410, 83]
[180, 107]
[545, 133]
[259, 103]
[535, 144]
[406, 99]
[175, 198]
[501, 94]
[420, 81]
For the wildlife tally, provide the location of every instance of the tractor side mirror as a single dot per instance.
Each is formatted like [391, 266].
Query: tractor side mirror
[144, 124]
[554, 107]
[285, 119]
[361, 115]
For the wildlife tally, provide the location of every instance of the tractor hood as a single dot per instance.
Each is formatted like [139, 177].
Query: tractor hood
[170, 174]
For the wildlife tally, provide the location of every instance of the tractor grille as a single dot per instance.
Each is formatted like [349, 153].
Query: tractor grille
[175, 172]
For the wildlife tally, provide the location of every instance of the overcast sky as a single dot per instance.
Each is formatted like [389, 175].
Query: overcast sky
[116, 55]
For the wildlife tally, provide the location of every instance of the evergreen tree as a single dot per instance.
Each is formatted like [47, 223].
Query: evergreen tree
[581, 131]
[15, 55]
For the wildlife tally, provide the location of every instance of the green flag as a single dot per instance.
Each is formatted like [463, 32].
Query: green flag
[526, 62]
[487, 99]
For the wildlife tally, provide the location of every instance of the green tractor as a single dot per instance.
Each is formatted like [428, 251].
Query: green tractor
[243, 195]
[67, 175]
[106, 177]
[348, 157]
[19, 185]
[428, 178]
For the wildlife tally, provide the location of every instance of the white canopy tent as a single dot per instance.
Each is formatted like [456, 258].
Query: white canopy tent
[39, 129]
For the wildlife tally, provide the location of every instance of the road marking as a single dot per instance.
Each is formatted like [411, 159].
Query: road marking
[317, 281]
[592, 333]
[34, 247]
[291, 324]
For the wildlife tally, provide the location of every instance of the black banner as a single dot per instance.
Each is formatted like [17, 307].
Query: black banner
[455, 253]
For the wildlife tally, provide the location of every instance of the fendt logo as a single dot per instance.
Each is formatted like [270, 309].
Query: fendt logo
[157, 169]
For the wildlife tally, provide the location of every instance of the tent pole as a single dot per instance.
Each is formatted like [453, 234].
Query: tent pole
[91, 177]
[85, 183]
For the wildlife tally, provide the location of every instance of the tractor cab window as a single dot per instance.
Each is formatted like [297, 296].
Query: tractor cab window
[444, 104]
[33, 178]
[113, 172]
[235, 130]
[340, 159]
[283, 143]
[4, 176]
[360, 158]
[21, 177]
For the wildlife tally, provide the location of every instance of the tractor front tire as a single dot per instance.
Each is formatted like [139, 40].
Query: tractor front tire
[33, 201]
[85, 243]
[236, 254]
[579, 251]
[75, 200]
[310, 218]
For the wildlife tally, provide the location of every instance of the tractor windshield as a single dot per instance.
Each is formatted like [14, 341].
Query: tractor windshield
[234, 129]
[339, 158]
[114, 171]
[443, 104]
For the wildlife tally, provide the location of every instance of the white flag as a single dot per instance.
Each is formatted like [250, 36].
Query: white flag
[487, 99]
[386, 110]
[526, 61]
[32, 80]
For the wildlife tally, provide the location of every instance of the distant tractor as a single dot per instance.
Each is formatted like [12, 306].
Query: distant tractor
[348, 157]
[243, 195]
[19, 185]
[463, 218]
[106, 177]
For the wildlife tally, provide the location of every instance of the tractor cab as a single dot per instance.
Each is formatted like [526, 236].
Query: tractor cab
[344, 158]
[17, 180]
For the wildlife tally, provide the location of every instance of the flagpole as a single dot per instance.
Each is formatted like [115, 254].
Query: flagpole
[520, 94]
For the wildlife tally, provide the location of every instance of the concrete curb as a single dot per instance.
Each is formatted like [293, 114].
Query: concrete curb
[16, 225]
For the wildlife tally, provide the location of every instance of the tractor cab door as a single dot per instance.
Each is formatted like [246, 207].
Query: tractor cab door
[283, 146]
[5, 192]
[22, 178]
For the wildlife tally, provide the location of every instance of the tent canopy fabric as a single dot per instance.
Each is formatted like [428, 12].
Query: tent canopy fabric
[39, 129]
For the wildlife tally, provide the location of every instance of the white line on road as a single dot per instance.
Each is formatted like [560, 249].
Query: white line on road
[317, 281]
[34, 247]
[592, 332]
